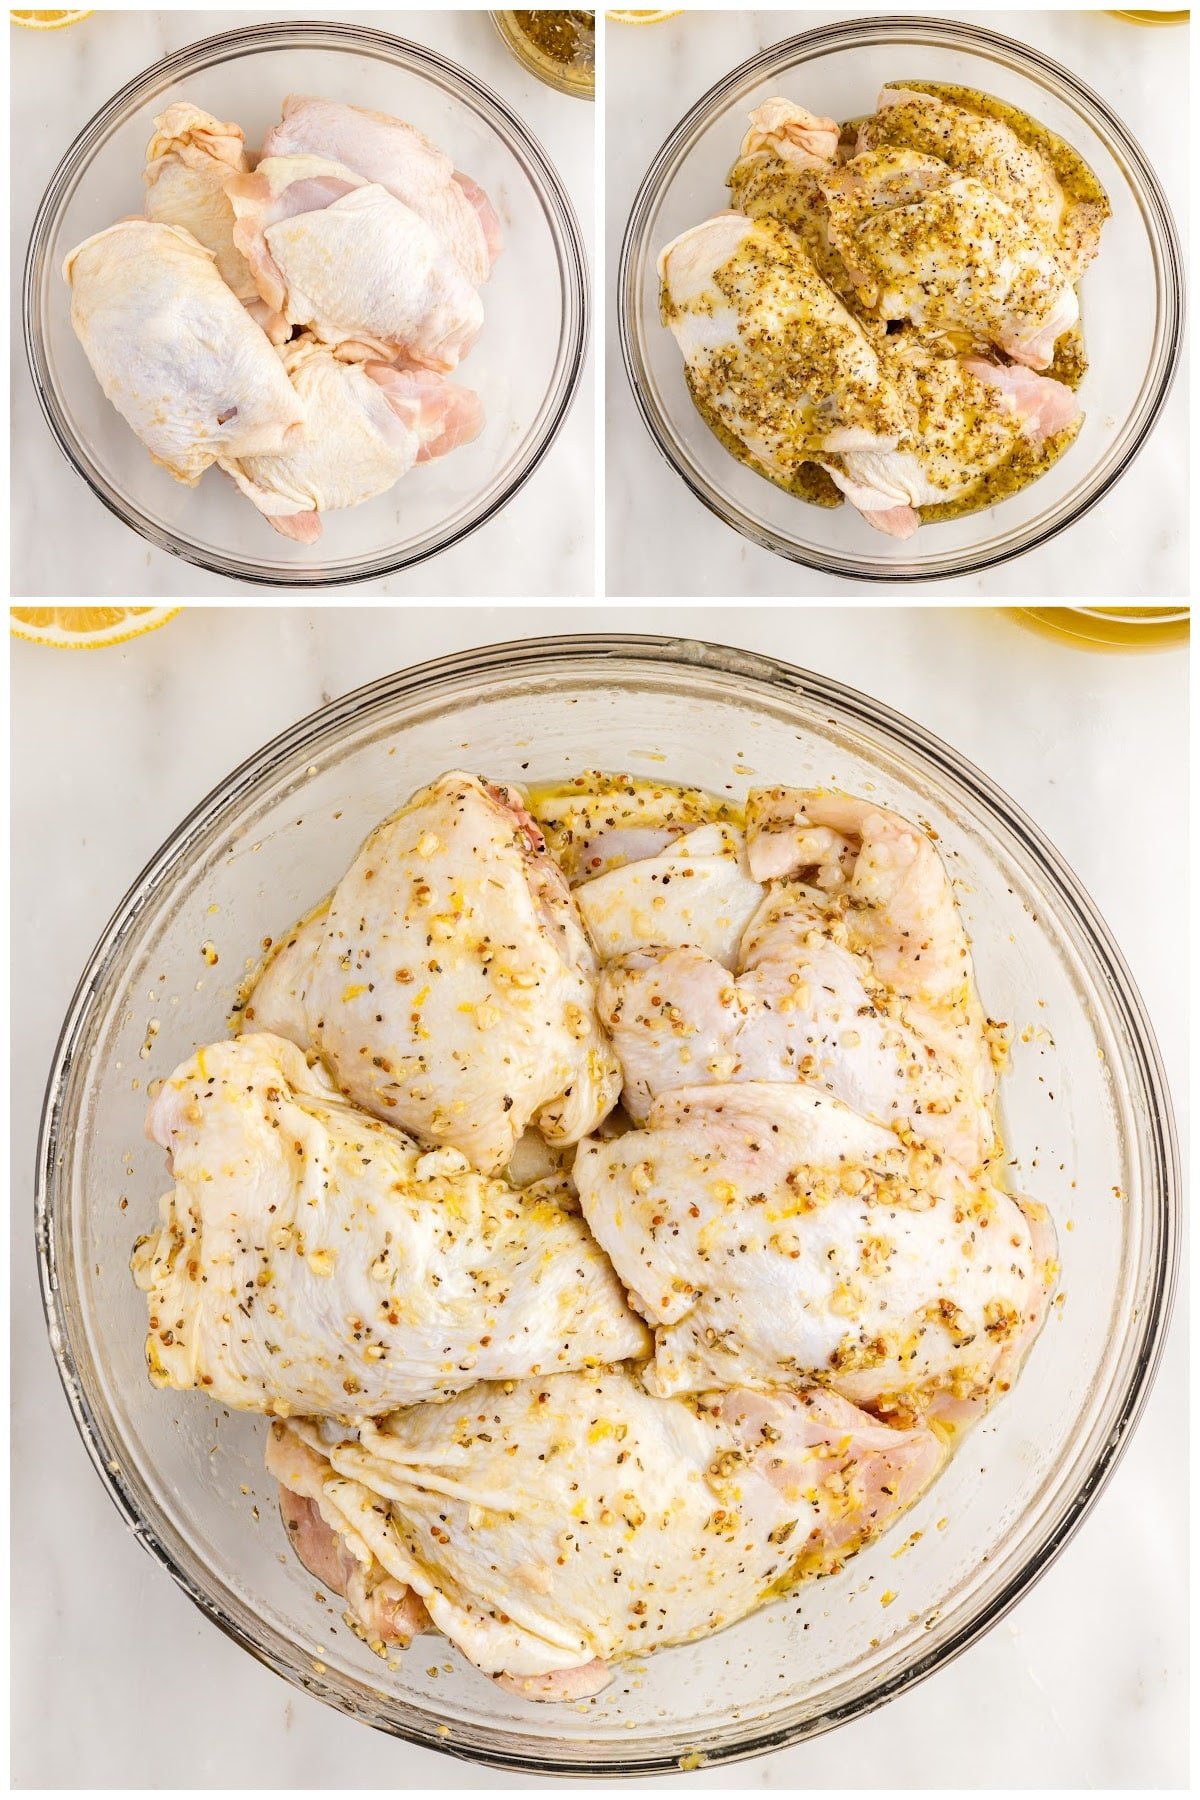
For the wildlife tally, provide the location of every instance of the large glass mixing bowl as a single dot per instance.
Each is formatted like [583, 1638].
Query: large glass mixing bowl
[526, 366]
[1087, 1119]
[1132, 296]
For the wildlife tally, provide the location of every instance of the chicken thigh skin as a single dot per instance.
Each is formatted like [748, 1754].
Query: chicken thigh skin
[311, 1259]
[348, 260]
[450, 985]
[695, 889]
[187, 162]
[771, 1235]
[368, 425]
[175, 352]
[396, 156]
[552, 1528]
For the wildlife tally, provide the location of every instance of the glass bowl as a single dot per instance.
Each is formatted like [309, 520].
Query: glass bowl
[576, 76]
[526, 365]
[1088, 1122]
[1132, 296]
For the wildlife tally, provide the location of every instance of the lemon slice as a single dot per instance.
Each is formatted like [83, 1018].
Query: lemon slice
[47, 21]
[86, 627]
[624, 15]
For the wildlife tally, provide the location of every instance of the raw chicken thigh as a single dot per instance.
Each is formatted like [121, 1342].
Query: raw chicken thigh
[971, 142]
[687, 1351]
[785, 153]
[773, 356]
[872, 883]
[695, 890]
[187, 162]
[803, 1007]
[396, 156]
[868, 323]
[771, 1235]
[776, 359]
[175, 352]
[553, 1527]
[367, 424]
[450, 985]
[311, 1259]
[902, 234]
[894, 894]
[944, 251]
[344, 257]
[387, 1610]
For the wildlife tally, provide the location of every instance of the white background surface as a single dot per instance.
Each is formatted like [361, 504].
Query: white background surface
[662, 540]
[119, 1682]
[541, 543]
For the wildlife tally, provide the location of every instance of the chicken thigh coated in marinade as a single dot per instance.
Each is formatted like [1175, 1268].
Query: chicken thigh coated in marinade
[853, 974]
[449, 983]
[973, 142]
[311, 1259]
[771, 1235]
[551, 1528]
[696, 889]
[778, 362]
[607, 1212]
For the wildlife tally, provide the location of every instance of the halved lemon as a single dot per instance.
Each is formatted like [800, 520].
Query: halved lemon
[86, 627]
[47, 21]
[625, 15]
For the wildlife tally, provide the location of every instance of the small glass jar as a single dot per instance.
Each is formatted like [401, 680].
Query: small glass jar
[558, 47]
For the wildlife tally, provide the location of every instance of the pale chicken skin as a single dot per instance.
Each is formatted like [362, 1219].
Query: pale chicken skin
[450, 985]
[802, 1007]
[175, 351]
[854, 974]
[899, 905]
[771, 1235]
[187, 162]
[552, 1528]
[368, 425]
[348, 260]
[312, 1259]
[695, 889]
[889, 899]
[388, 1611]
[396, 156]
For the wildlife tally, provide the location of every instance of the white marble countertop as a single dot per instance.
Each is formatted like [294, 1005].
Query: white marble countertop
[541, 543]
[661, 540]
[119, 1681]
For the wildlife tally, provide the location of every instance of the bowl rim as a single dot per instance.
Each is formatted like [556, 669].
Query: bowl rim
[1156, 214]
[539, 170]
[771, 676]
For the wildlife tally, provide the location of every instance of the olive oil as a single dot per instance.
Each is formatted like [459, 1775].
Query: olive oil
[558, 47]
[1112, 627]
